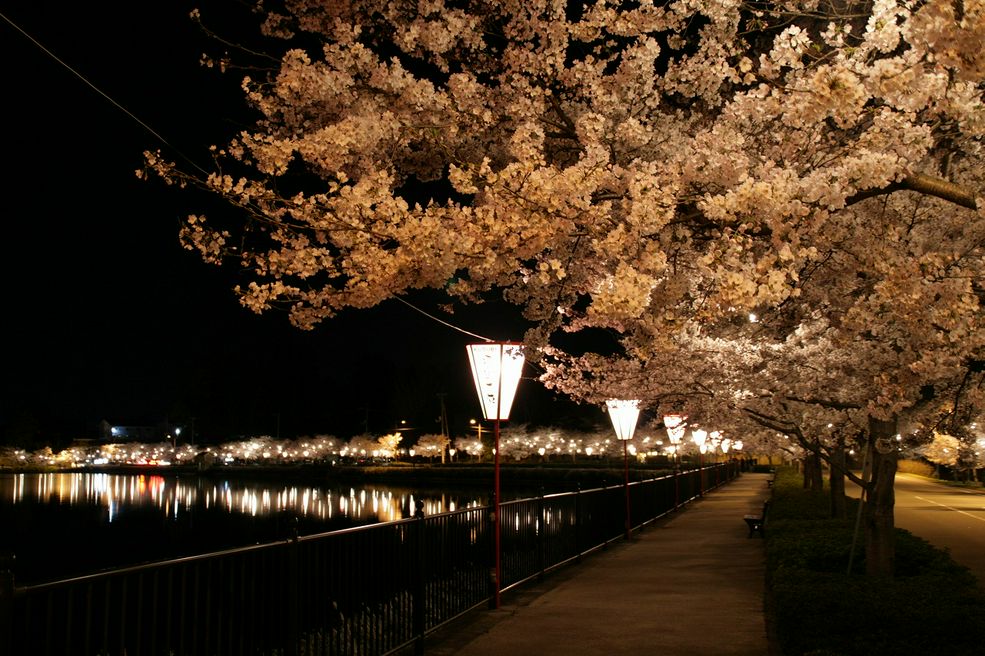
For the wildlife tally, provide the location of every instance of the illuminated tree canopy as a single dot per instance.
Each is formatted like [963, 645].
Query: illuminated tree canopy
[657, 171]
[633, 169]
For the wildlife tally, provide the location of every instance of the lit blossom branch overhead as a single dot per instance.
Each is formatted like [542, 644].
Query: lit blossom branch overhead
[655, 173]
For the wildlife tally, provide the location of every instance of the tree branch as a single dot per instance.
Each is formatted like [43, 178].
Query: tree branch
[779, 425]
[923, 184]
[825, 403]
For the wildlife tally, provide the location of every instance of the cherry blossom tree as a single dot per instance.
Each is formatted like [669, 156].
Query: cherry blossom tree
[361, 446]
[943, 450]
[960, 454]
[432, 445]
[653, 172]
[518, 443]
[470, 446]
[388, 444]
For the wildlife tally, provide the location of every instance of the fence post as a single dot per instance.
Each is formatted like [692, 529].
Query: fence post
[541, 538]
[418, 578]
[578, 522]
[493, 555]
[6, 604]
[605, 525]
[293, 587]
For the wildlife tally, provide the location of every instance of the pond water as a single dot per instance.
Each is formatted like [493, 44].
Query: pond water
[68, 524]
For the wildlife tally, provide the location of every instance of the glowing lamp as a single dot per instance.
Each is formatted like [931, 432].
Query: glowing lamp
[624, 415]
[699, 437]
[675, 427]
[496, 369]
[673, 421]
[675, 431]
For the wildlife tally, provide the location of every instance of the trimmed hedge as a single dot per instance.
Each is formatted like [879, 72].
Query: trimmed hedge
[932, 605]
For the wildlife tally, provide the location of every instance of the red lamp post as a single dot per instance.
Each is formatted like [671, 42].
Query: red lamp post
[624, 415]
[496, 368]
[675, 431]
[698, 436]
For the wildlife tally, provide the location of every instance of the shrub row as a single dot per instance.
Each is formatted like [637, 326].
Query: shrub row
[931, 606]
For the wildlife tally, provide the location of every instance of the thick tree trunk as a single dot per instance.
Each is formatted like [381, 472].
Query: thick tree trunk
[836, 481]
[813, 472]
[880, 528]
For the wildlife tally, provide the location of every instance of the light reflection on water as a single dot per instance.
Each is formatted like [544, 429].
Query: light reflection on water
[59, 525]
[177, 495]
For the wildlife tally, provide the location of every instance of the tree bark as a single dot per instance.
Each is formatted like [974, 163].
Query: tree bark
[923, 184]
[813, 472]
[880, 528]
[836, 481]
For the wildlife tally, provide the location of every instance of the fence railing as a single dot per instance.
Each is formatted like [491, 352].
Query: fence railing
[367, 590]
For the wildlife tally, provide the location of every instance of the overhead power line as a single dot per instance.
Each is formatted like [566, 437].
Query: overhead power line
[101, 92]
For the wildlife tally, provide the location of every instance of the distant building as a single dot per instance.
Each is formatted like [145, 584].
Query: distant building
[119, 433]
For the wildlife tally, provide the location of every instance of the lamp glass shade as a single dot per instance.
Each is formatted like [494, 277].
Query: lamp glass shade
[699, 436]
[624, 414]
[675, 427]
[496, 369]
[673, 421]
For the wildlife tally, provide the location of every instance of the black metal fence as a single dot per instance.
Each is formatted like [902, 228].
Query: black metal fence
[368, 590]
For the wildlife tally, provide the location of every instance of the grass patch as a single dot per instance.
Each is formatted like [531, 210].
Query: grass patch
[932, 606]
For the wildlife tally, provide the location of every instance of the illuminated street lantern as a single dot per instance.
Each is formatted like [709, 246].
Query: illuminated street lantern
[699, 437]
[624, 415]
[714, 439]
[496, 369]
[675, 431]
[675, 427]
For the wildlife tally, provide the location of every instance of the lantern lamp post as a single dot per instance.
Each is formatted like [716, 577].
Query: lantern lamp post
[624, 415]
[737, 448]
[698, 436]
[715, 440]
[496, 369]
[675, 431]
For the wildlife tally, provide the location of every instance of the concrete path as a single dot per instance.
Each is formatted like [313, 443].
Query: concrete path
[691, 585]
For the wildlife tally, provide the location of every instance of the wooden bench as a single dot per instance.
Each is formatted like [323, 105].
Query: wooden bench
[757, 523]
[769, 481]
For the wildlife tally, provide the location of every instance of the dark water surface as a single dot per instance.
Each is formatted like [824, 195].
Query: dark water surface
[69, 524]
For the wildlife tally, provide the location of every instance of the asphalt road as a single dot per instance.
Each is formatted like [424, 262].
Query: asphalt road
[947, 517]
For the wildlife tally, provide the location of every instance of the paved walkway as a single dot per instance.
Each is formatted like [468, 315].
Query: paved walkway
[689, 585]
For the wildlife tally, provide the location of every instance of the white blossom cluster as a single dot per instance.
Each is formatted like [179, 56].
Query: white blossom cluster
[517, 443]
[657, 171]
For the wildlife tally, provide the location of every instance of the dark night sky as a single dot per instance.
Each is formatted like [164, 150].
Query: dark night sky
[106, 317]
